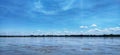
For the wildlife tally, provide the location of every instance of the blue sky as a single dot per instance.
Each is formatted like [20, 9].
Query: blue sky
[59, 17]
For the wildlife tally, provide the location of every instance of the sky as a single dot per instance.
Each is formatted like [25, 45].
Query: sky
[18, 17]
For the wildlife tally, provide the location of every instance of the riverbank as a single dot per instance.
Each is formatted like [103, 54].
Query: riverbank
[111, 35]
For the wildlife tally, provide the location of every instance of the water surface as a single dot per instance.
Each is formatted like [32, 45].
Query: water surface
[59, 46]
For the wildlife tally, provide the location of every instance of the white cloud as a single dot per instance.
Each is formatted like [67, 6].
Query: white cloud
[96, 31]
[83, 26]
[93, 25]
[111, 30]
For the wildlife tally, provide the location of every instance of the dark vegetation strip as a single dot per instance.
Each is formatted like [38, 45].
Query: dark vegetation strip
[111, 35]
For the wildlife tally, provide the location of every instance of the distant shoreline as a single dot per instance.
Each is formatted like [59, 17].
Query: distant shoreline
[111, 35]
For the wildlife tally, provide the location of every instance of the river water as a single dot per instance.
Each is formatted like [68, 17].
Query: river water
[59, 46]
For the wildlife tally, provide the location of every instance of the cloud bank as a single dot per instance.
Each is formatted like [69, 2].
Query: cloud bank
[94, 31]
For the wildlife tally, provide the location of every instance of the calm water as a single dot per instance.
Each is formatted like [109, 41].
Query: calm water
[59, 46]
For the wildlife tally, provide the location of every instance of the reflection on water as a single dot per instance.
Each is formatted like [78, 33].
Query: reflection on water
[60, 46]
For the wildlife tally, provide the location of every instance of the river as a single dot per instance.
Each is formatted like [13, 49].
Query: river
[59, 46]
